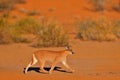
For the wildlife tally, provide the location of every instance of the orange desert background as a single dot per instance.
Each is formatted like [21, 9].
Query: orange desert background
[93, 60]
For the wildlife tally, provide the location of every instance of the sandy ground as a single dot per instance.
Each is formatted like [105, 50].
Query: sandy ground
[91, 61]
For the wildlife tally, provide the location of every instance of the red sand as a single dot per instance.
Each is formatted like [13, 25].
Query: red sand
[65, 11]
[92, 61]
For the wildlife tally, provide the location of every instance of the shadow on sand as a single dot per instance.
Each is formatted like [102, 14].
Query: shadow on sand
[37, 69]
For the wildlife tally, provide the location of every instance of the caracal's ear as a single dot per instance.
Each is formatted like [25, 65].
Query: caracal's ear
[67, 47]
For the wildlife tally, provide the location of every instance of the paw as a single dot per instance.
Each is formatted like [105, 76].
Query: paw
[43, 71]
[72, 71]
[25, 72]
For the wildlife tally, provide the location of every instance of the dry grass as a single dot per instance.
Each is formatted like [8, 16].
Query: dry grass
[99, 5]
[23, 27]
[9, 32]
[32, 13]
[19, 1]
[99, 30]
[47, 34]
[116, 29]
[51, 35]
[28, 25]
[8, 5]
[102, 5]
[116, 7]
[4, 33]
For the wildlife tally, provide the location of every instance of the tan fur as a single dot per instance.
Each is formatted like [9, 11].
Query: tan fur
[42, 56]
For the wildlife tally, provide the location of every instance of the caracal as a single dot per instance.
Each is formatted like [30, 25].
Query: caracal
[41, 56]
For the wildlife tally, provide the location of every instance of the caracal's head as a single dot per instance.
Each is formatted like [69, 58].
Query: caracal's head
[68, 50]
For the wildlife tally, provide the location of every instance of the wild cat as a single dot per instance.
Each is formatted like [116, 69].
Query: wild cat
[41, 56]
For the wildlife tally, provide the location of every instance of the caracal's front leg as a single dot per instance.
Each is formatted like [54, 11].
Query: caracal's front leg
[67, 66]
[53, 66]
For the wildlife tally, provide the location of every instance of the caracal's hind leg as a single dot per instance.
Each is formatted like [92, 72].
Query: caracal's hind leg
[42, 63]
[34, 61]
[29, 65]
[26, 69]
[67, 66]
